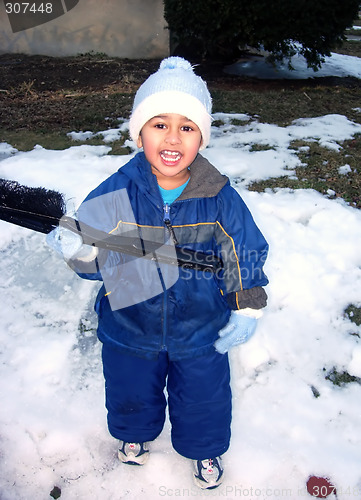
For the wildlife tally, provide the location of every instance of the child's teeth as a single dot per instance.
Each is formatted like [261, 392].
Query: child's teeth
[170, 155]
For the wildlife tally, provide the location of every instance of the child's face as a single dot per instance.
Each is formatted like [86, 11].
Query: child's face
[170, 142]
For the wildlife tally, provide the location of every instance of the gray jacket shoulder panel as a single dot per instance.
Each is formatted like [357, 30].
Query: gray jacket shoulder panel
[205, 180]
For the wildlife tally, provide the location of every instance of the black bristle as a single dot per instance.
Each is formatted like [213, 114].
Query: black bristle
[37, 208]
[36, 200]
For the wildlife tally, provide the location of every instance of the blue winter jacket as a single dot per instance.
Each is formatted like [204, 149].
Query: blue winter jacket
[145, 307]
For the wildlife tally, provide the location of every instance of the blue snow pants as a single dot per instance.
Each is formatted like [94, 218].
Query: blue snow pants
[199, 400]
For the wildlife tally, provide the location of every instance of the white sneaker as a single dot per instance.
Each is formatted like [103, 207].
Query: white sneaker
[208, 473]
[133, 453]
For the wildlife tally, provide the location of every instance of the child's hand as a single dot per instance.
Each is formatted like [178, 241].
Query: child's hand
[238, 330]
[64, 242]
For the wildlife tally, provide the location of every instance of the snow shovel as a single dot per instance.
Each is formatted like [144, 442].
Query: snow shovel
[42, 210]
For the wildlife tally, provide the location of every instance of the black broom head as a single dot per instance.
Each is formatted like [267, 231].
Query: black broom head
[36, 208]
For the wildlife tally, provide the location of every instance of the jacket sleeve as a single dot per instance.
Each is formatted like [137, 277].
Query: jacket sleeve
[243, 250]
[89, 267]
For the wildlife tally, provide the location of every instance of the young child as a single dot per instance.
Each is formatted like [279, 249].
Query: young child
[164, 326]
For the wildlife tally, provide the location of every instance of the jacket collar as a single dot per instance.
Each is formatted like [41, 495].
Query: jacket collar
[205, 180]
[138, 169]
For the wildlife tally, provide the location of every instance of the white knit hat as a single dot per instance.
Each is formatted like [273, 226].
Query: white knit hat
[174, 88]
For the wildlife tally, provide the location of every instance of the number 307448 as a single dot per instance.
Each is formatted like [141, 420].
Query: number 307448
[28, 7]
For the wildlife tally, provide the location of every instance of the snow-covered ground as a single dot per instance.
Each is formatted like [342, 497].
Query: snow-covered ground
[289, 421]
[334, 65]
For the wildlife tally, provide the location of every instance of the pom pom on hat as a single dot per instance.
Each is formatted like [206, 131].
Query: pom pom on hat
[174, 88]
[175, 62]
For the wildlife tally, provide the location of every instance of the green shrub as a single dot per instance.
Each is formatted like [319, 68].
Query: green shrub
[222, 29]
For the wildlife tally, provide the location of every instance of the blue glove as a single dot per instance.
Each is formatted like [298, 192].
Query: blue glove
[64, 242]
[238, 330]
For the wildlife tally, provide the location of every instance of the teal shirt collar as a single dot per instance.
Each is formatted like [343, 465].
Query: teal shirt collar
[170, 195]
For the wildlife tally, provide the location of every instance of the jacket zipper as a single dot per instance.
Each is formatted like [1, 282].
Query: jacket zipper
[167, 222]
[168, 225]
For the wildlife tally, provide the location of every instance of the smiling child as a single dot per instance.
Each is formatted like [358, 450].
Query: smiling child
[165, 329]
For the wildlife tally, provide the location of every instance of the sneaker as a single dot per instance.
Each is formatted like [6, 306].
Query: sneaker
[133, 453]
[208, 473]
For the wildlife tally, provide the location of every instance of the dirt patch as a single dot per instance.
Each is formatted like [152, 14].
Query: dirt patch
[39, 92]
[73, 73]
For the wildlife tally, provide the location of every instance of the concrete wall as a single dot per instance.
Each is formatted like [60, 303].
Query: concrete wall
[119, 28]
